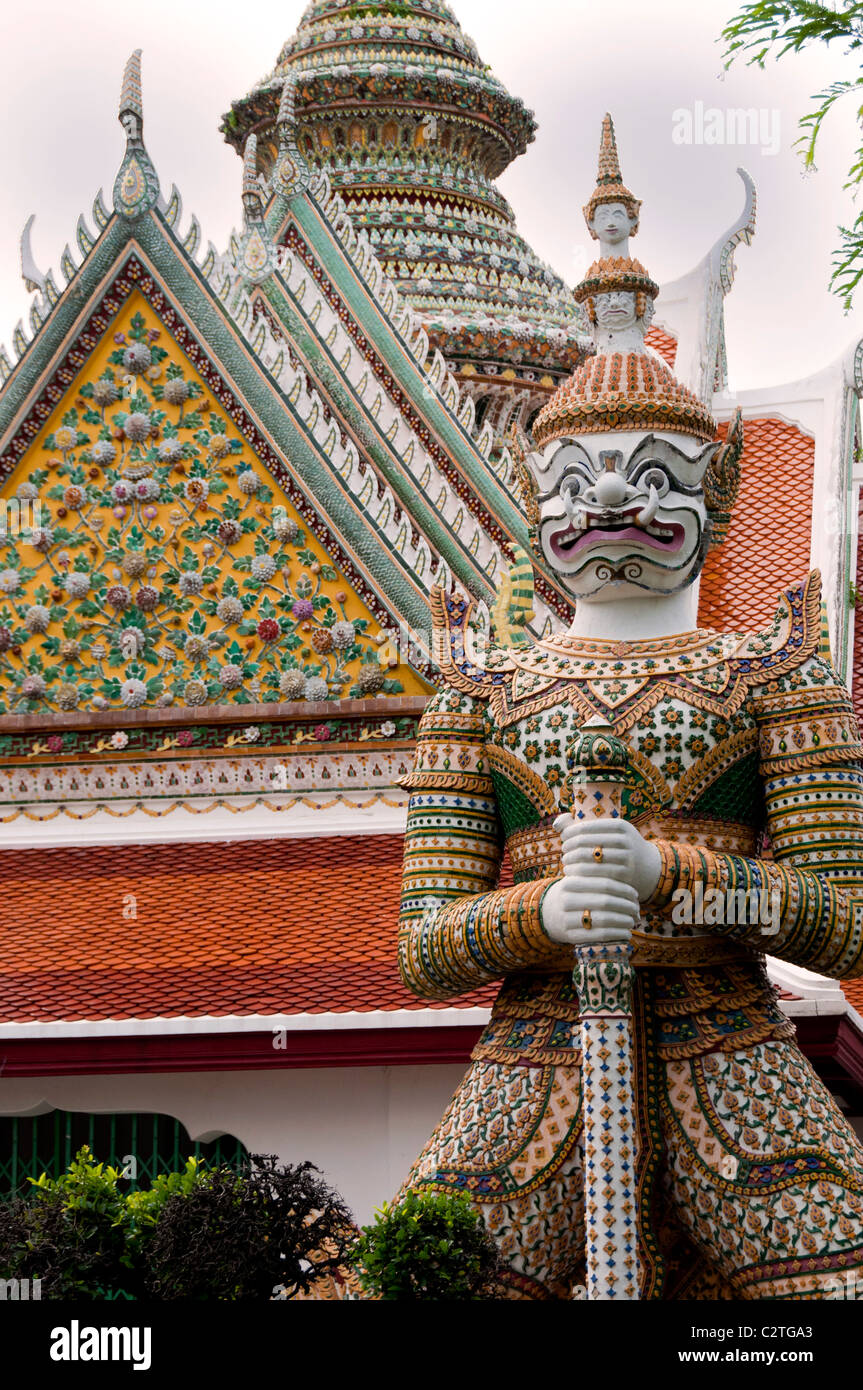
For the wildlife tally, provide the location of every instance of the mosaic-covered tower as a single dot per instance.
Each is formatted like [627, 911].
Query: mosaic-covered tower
[413, 129]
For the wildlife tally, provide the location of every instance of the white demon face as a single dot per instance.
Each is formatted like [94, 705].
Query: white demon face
[616, 310]
[622, 514]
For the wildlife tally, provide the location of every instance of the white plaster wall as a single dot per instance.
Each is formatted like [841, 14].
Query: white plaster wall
[363, 1126]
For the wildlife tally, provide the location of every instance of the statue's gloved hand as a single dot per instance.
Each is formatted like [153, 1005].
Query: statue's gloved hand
[609, 869]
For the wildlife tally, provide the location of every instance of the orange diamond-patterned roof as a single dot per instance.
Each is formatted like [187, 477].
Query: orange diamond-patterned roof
[768, 544]
[279, 926]
[853, 991]
[662, 342]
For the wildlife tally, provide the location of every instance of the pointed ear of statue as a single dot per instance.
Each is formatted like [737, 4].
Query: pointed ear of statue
[722, 480]
[528, 493]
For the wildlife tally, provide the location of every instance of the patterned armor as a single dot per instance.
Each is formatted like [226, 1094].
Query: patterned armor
[744, 765]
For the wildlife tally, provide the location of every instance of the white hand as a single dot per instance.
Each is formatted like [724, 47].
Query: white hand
[608, 869]
[625, 854]
[612, 905]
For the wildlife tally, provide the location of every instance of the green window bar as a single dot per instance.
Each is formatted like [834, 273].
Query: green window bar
[35, 1144]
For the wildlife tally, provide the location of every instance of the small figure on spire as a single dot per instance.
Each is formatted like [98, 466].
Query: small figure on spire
[131, 111]
[612, 213]
[136, 187]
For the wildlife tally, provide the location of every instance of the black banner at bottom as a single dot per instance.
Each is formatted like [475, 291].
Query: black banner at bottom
[83, 1342]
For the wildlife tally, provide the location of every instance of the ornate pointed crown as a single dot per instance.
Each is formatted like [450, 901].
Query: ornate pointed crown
[631, 388]
[623, 391]
[610, 187]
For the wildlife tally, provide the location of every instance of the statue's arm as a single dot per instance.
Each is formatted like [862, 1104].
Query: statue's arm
[457, 930]
[813, 789]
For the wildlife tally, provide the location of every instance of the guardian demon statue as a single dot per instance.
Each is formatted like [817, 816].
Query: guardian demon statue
[741, 833]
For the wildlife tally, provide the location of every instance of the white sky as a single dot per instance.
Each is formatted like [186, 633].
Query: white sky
[570, 60]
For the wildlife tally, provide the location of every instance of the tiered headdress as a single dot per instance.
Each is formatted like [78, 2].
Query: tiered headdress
[610, 187]
[634, 389]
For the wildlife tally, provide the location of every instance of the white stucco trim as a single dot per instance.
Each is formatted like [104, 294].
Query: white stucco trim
[360, 813]
[247, 1023]
[813, 994]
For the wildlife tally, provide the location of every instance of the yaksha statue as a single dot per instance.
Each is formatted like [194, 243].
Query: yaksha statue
[748, 1180]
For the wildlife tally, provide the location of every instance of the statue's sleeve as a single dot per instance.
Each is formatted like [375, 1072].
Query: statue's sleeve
[810, 758]
[457, 929]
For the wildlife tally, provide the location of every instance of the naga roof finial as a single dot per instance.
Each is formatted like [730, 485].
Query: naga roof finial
[255, 260]
[136, 187]
[291, 173]
[253, 203]
[288, 103]
[34, 280]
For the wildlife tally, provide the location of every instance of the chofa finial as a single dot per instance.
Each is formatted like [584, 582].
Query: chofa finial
[34, 280]
[252, 200]
[288, 103]
[136, 187]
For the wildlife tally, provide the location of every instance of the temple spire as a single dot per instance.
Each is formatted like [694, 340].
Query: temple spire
[136, 187]
[131, 102]
[612, 213]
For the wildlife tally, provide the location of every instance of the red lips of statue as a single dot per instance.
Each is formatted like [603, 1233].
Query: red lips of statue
[567, 542]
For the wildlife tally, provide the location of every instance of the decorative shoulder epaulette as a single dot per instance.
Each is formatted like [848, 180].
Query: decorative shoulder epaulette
[794, 636]
[469, 662]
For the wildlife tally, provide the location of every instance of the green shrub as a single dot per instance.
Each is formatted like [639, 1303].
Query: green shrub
[429, 1245]
[198, 1233]
[71, 1232]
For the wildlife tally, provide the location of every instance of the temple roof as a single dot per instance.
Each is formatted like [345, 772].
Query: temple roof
[215, 930]
[206, 957]
[769, 538]
[413, 129]
[191, 425]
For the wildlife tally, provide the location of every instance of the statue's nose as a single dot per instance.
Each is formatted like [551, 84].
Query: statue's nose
[610, 490]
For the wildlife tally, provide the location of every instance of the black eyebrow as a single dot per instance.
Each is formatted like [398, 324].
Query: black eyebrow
[643, 465]
[576, 466]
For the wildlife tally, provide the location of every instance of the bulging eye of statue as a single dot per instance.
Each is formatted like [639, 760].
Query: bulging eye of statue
[571, 487]
[655, 478]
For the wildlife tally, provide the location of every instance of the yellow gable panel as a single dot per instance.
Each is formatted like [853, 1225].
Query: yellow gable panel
[150, 559]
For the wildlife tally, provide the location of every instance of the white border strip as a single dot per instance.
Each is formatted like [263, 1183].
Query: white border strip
[365, 814]
[247, 1023]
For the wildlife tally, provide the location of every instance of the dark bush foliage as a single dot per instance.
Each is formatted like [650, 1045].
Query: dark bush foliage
[199, 1233]
[241, 1235]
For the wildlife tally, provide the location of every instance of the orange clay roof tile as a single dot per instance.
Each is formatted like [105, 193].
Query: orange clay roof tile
[663, 343]
[853, 991]
[269, 927]
[768, 544]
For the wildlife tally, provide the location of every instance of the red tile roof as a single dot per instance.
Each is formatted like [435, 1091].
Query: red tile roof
[279, 926]
[663, 343]
[768, 544]
[853, 991]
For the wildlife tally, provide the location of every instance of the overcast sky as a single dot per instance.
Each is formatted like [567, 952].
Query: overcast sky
[570, 60]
